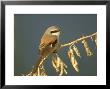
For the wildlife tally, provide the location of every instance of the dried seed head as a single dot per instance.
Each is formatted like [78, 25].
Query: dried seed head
[70, 52]
[58, 61]
[59, 65]
[92, 38]
[65, 71]
[87, 49]
[96, 39]
[54, 65]
[76, 51]
[38, 73]
[74, 63]
[61, 71]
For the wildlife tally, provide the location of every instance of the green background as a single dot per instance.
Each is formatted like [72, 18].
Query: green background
[28, 30]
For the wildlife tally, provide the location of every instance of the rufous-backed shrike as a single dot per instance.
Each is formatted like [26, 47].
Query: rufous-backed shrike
[49, 43]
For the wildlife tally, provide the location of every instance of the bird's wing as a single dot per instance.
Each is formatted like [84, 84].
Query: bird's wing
[47, 40]
[47, 45]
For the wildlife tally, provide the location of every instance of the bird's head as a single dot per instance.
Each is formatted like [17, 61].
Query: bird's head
[53, 30]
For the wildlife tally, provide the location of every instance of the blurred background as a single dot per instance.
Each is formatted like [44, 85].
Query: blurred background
[28, 30]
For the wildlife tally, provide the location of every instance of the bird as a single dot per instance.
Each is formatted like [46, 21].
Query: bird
[49, 44]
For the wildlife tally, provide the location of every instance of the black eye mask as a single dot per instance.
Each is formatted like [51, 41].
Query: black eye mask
[54, 31]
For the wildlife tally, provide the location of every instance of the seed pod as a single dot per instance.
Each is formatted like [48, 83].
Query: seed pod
[73, 60]
[59, 65]
[58, 61]
[74, 63]
[61, 71]
[65, 71]
[96, 40]
[76, 51]
[92, 38]
[87, 49]
[38, 74]
[43, 73]
[64, 65]
[70, 52]
[54, 65]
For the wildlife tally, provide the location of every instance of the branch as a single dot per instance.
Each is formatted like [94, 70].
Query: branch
[77, 40]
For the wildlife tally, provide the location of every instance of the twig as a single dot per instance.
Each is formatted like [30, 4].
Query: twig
[77, 40]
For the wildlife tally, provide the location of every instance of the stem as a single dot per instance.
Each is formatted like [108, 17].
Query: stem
[77, 40]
